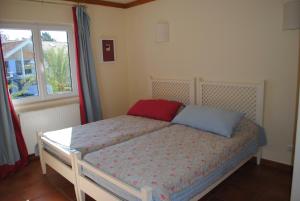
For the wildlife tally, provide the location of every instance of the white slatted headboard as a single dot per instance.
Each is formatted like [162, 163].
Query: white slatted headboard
[182, 90]
[241, 97]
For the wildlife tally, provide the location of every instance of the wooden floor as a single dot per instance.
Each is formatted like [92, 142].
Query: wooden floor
[249, 183]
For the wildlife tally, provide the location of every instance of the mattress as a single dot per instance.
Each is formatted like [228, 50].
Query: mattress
[177, 162]
[100, 134]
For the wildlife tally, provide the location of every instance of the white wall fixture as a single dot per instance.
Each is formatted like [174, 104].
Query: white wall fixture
[291, 15]
[162, 32]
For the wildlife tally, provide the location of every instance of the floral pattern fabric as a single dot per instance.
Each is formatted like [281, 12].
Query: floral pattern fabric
[171, 159]
[100, 134]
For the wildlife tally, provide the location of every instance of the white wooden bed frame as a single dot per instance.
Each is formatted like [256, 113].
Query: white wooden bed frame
[243, 97]
[174, 89]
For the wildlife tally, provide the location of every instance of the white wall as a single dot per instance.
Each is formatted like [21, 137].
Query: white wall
[105, 21]
[235, 40]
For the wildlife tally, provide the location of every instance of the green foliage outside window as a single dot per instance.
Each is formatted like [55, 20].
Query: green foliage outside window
[57, 69]
[26, 84]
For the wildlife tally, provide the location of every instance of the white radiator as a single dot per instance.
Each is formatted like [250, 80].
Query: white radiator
[47, 120]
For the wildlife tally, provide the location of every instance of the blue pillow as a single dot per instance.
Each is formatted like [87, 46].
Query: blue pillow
[209, 119]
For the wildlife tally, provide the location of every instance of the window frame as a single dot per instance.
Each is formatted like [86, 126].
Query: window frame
[39, 60]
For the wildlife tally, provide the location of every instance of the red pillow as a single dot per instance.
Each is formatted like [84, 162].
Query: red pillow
[156, 109]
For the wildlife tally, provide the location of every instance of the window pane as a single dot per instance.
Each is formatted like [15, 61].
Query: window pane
[56, 61]
[19, 62]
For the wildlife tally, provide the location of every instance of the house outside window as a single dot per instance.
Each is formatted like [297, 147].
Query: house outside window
[39, 61]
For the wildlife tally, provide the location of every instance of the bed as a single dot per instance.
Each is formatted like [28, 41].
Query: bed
[100, 134]
[176, 162]
[56, 147]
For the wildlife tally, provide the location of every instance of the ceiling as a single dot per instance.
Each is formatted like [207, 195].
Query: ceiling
[121, 1]
[114, 3]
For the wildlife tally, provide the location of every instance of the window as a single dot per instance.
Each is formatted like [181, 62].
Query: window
[56, 61]
[39, 61]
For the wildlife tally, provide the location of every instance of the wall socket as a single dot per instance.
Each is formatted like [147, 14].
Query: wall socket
[290, 148]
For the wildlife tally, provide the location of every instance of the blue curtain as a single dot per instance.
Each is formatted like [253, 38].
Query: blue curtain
[87, 67]
[9, 152]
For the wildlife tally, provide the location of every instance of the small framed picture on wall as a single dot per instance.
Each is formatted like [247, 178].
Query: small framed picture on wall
[108, 53]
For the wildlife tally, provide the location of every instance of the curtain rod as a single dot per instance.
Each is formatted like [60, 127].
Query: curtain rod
[55, 2]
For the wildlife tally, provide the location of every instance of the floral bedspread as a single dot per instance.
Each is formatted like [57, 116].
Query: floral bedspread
[172, 158]
[100, 134]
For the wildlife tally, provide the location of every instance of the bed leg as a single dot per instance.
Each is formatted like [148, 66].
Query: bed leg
[40, 145]
[80, 195]
[146, 193]
[258, 156]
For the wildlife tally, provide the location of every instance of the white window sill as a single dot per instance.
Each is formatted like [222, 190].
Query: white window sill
[37, 105]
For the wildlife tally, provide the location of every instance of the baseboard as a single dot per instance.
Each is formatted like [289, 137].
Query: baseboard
[274, 164]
